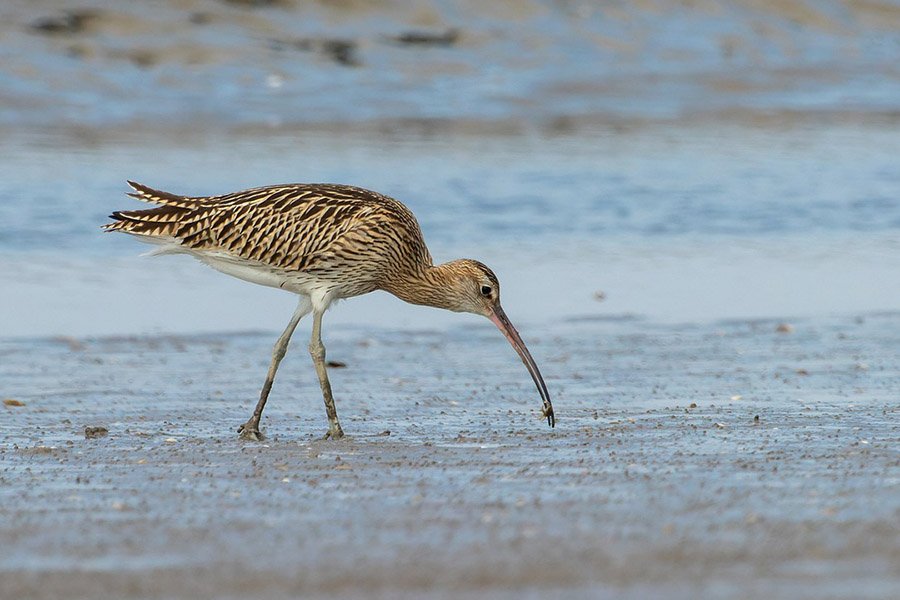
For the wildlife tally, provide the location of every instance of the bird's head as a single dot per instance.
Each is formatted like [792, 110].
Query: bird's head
[470, 286]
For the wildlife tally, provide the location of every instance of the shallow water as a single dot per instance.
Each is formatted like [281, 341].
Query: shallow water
[672, 224]
[721, 160]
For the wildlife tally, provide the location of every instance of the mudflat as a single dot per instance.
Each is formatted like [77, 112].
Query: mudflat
[684, 162]
[729, 459]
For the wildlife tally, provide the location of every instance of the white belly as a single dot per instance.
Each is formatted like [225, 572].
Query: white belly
[321, 292]
[262, 274]
[252, 272]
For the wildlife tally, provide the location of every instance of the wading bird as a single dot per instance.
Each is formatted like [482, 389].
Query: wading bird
[322, 242]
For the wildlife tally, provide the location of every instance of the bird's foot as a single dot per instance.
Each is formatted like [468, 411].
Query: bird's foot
[334, 432]
[250, 431]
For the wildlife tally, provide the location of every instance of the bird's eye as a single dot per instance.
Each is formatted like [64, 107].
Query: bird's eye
[486, 290]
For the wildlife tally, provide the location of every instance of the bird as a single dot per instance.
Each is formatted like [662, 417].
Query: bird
[323, 242]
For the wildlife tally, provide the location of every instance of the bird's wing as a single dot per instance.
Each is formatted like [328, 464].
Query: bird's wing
[292, 227]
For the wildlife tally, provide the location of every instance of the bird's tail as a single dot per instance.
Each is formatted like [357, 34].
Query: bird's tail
[162, 221]
[148, 194]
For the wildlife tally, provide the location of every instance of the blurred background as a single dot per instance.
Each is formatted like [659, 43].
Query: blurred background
[677, 161]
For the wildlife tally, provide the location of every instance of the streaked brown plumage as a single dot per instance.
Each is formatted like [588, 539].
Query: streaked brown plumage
[323, 242]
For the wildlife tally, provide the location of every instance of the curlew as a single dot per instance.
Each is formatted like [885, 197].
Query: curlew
[323, 242]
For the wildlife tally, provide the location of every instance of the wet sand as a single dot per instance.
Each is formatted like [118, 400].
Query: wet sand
[726, 460]
[496, 67]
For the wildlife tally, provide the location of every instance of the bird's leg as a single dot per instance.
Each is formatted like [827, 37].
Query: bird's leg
[317, 351]
[250, 429]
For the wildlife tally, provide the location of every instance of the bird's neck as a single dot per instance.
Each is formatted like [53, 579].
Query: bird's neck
[427, 286]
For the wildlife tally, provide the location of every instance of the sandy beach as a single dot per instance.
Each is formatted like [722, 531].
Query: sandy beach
[729, 460]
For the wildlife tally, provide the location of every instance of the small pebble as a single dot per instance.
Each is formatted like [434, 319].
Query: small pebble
[95, 432]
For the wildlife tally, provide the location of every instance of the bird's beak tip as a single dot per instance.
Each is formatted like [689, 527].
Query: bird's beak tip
[502, 322]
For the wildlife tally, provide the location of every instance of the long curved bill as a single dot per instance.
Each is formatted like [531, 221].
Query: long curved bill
[502, 322]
